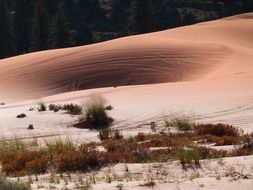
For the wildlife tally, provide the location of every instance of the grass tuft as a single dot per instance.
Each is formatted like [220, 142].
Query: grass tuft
[182, 123]
[10, 185]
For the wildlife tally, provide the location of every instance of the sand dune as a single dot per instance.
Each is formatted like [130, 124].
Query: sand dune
[211, 49]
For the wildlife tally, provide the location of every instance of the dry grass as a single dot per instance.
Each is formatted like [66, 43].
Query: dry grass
[9, 185]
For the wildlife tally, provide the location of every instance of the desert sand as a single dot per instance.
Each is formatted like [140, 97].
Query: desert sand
[204, 70]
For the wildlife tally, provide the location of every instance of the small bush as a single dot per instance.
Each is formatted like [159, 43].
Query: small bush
[73, 109]
[9, 185]
[217, 130]
[42, 107]
[22, 115]
[55, 108]
[30, 127]
[95, 113]
[109, 107]
[149, 184]
[17, 164]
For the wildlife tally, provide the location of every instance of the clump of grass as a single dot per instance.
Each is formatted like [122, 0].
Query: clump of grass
[182, 123]
[10, 185]
[217, 130]
[95, 113]
[42, 107]
[106, 134]
[60, 145]
[22, 115]
[10, 147]
[188, 156]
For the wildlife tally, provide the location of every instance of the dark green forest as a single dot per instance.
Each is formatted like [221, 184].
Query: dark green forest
[35, 25]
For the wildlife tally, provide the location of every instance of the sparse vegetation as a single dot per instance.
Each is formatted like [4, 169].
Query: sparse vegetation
[9, 185]
[18, 159]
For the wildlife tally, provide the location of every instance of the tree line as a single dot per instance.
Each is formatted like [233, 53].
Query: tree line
[35, 25]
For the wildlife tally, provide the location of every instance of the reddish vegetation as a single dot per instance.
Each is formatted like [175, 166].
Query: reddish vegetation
[217, 130]
[67, 157]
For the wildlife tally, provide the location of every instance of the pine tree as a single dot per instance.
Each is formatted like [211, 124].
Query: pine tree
[22, 25]
[6, 36]
[40, 28]
[118, 16]
[60, 31]
[141, 18]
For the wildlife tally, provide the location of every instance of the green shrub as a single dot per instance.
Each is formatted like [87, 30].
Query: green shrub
[188, 156]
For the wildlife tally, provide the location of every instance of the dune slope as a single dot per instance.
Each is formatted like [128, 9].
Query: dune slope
[191, 53]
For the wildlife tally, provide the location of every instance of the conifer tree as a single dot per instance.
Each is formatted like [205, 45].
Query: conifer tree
[60, 31]
[40, 28]
[6, 35]
[22, 25]
[118, 16]
[141, 18]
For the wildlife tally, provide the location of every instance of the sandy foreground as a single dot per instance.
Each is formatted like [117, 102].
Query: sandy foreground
[204, 70]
